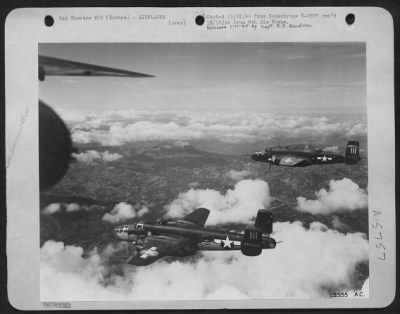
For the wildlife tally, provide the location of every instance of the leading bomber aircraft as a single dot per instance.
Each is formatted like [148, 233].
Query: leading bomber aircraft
[184, 237]
[55, 144]
[304, 155]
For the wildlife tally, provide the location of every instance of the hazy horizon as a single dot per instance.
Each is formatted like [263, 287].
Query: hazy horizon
[308, 78]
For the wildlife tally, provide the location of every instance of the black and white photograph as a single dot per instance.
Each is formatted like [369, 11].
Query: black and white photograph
[203, 171]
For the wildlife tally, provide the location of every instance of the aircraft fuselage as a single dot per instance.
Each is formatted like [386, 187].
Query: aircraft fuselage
[275, 155]
[204, 238]
[291, 156]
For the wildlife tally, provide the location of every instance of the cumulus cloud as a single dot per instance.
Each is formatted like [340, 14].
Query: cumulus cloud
[307, 264]
[73, 207]
[342, 195]
[239, 204]
[52, 208]
[123, 211]
[58, 207]
[337, 223]
[237, 175]
[180, 143]
[365, 288]
[106, 156]
[92, 155]
[117, 128]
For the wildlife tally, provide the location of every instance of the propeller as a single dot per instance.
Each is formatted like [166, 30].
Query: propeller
[270, 156]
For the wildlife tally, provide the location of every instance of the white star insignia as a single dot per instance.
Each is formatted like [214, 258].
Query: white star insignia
[227, 243]
[149, 252]
[324, 158]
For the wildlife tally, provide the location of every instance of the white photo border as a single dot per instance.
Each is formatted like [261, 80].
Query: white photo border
[25, 29]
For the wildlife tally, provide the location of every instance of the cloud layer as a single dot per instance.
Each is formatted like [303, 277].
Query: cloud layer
[58, 207]
[123, 211]
[342, 195]
[119, 127]
[239, 204]
[308, 263]
[237, 175]
[92, 155]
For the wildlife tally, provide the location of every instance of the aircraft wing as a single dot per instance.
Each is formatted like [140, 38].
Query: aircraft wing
[55, 66]
[293, 161]
[156, 247]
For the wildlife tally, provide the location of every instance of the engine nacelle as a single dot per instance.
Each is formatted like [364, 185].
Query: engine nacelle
[55, 147]
[352, 153]
[251, 244]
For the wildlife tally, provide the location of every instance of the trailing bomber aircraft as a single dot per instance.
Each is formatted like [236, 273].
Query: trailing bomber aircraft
[299, 155]
[55, 144]
[186, 236]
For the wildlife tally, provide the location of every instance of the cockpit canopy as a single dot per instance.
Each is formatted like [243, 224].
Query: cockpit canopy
[126, 228]
[162, 221]
[121, 229]
[258, 153]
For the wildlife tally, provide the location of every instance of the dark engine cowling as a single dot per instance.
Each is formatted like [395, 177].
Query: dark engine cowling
[264, 221]
[352, 153]
[251, 244]
[55, 147]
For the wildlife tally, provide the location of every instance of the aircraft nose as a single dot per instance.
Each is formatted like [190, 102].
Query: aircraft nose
[117, 231]
[257, 156]
[254, 156]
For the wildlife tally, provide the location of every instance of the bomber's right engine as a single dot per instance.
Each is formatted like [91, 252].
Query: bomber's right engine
[252, 242]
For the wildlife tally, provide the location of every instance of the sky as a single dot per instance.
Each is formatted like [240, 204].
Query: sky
[308, 78]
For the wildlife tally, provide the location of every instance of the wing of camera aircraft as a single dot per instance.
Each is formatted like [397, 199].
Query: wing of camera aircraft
[55, 144]
[60, 67]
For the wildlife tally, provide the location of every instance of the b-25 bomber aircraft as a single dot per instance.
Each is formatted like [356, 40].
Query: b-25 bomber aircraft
[186, 236]
[303, 155]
